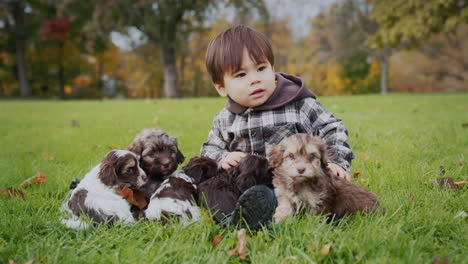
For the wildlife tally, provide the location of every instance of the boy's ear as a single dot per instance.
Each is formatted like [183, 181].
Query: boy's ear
[221, 90]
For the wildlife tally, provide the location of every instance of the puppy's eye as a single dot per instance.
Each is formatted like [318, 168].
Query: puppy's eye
[291, 156]
[311, 156]
[151, 153]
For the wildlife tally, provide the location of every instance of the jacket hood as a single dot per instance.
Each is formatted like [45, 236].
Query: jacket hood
[289, 88]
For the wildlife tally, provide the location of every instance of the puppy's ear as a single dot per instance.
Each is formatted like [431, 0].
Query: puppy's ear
[179, 156]
[275, 156]
[322, 146]
[136, 147]
[107, 173]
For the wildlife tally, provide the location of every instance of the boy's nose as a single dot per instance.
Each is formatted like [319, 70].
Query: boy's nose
[254, 78]
[255, 81]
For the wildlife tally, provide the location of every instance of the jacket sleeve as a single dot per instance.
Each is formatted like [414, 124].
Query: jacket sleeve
[319, 121]
[215, 146]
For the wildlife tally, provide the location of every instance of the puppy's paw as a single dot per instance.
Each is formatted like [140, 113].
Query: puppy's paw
[279, 216]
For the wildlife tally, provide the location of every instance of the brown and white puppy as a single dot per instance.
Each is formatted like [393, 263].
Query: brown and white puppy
[174, 199]
[159, 156]
[95, 196]
[176, 196]
[302, 181]
[219, 194]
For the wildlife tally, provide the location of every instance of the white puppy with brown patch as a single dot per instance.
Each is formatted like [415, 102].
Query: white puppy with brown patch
[302, 180]
[175, 198]
[96, 197]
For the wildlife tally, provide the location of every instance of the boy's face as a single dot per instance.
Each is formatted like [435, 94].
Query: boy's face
[252, 85]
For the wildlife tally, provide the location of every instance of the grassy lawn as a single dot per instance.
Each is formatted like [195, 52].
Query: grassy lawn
[400, 142]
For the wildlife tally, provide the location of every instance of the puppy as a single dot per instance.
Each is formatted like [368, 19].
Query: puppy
[95, 196]
[159, 156]
[219, 194]
[174, 198]
[302, 180]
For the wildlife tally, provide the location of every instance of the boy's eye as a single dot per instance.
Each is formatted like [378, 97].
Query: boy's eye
[261, 68]
[239, 75]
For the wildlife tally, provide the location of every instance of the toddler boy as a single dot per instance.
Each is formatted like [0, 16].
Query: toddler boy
[263, 107]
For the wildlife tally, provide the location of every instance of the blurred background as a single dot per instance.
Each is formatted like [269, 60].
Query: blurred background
[74, 49]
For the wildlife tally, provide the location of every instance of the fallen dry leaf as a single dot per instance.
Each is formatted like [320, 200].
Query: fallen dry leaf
[460, 183]
[365, 156]
[216, 240]
[46, 155]
[325, 250]
[411, 197]
[287, 259]
[36, 179]
[8, 193]
[10, 261]
[134, 197]
[356, 175]
[446, 183]
[241, 247]
[440, 260]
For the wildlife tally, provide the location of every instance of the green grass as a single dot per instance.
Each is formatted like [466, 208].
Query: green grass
[400, 142]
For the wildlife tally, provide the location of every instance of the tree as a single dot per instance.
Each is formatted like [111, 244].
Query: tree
[56, 30]
[410, 22]
[16, 24]
[162, 23]
[403, 23]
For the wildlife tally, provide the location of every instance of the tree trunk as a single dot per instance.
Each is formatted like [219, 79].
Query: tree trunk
[170, 71]
[61, 71]
[384, 65]
[20, 40]
[100, 71]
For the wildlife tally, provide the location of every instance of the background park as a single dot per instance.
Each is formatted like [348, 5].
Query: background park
[78, 78]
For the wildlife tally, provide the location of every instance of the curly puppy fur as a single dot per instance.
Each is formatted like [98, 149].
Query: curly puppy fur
[302, 181]
[95, 195]
[219, 193]
[174, 198]
[159, 156]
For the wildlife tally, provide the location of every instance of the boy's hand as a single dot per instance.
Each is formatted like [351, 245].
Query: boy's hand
[338, 171]
[232, 159]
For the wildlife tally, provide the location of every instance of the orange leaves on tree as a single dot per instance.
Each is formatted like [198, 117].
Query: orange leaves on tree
[241, 247]
[36, 179]
[134, 197]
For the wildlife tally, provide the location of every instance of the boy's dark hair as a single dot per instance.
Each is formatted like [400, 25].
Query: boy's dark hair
[224, 52]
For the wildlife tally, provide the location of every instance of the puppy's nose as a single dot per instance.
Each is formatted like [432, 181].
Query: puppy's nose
[301, 170]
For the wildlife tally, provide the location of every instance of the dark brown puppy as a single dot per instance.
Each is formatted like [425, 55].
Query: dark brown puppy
[302, 181]
[159, 156]
[219, 193]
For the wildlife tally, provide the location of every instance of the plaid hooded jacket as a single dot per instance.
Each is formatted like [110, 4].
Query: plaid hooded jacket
[291, 109]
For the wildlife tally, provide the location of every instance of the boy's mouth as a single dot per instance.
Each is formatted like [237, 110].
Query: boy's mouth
[257, 93]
